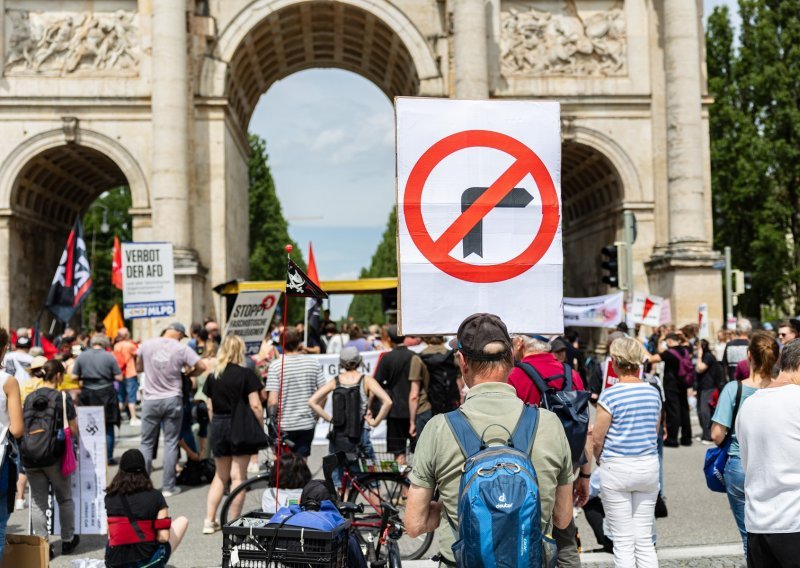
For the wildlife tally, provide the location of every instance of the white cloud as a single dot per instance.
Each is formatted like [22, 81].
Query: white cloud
[328, 138]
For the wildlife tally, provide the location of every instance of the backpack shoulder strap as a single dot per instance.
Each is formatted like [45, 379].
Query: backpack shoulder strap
[468, 440]
[534, 376]
[525, 432]
[568, 386]
[336, 378]
[129, 513]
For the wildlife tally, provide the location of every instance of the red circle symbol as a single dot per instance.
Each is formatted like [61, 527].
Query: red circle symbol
[438, 251]
[267, 302]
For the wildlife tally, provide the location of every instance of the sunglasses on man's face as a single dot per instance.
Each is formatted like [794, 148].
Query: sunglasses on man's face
[782, 334]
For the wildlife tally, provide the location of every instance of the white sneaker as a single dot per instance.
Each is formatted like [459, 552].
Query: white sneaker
[135, 422]
[19, 504]
[253, 468]
[210, 527]
[171, 493]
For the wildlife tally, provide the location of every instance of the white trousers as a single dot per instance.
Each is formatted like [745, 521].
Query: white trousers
[628, 489]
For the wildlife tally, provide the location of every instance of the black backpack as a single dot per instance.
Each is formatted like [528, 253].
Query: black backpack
[443, 381]
[41, 444]
[346, 416]
[570, 405]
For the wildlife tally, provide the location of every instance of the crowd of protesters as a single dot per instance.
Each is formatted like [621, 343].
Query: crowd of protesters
[174, 387]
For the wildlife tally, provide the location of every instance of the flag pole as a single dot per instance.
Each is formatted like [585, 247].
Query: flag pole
[280, 383]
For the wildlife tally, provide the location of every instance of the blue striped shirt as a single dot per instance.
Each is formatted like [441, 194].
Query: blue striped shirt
[635, 410]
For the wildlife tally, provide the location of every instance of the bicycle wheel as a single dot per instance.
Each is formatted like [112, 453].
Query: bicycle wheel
[393, 553]
[370, 490]
[253, 489]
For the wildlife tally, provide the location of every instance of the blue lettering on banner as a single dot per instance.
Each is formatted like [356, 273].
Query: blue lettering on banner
[148, 309]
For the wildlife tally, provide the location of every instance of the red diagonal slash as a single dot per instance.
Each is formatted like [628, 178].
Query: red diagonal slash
[465, 222]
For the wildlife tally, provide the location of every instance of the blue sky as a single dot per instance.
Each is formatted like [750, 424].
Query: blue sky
[330, 138]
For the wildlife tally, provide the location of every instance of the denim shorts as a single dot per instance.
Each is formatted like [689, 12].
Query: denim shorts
[127, 390]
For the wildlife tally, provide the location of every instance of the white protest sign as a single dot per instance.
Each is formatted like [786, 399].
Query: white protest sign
[250, 318]
[647, 309]
[702, 321]
[148, 280]
[479, 213]
[597, 311]
[89, 480]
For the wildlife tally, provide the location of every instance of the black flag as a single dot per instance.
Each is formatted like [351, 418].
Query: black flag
[73, 279]
[299, 284]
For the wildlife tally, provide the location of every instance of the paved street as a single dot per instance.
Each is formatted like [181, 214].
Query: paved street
[699, 531]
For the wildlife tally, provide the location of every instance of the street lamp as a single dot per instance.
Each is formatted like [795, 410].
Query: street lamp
[104, 226]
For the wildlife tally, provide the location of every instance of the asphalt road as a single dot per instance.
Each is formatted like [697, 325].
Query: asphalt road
[696, 517]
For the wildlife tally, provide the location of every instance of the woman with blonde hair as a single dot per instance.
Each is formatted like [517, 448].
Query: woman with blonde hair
[232, 388]
[626, 446]
[762, 355]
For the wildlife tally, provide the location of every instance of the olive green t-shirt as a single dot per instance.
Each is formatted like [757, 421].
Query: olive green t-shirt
[438, 458]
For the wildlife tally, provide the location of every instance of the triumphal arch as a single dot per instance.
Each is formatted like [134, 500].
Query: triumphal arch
[157, 95]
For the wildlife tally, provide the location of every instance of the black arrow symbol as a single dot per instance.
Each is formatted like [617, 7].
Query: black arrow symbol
[473, 241]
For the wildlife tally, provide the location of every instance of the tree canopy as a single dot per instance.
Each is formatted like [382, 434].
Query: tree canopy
[755, 148]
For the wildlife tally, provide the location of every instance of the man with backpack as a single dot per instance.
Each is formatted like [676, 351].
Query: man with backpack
[542, 379]
[482, 458]
[437, 388]
[678, 379]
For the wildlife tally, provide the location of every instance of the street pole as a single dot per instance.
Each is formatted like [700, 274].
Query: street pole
[630, 237]
[728, 286]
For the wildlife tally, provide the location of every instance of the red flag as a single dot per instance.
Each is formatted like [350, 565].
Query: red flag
[312, 266]
[116, 264]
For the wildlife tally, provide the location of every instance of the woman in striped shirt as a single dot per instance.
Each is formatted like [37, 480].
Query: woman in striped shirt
[625, 443]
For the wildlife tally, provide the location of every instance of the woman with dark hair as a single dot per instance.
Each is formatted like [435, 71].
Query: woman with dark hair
[130, 498]
[762, 355]
[41, 474]
[11, 426]
[708, 379]
[294, 476]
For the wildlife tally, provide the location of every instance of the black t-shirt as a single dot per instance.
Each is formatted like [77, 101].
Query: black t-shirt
[145, 506]
[235, 384]
[708, 379]
[392, 374]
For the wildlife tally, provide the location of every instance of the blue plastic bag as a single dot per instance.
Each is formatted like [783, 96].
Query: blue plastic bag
[714, 467]
[326, 519]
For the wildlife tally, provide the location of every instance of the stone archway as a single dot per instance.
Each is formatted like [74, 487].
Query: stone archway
[51, 185]
[592, 193]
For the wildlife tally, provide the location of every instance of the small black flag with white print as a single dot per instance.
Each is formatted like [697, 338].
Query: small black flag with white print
[299, 284]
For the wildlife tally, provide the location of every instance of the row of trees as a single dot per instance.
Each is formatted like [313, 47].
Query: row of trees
[755, 148]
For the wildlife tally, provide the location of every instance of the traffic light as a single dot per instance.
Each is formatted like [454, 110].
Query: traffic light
[611, 264]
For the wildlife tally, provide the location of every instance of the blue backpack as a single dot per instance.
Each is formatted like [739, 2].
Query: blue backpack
[499, 507]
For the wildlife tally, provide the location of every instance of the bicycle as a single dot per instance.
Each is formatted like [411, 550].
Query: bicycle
[377, 492]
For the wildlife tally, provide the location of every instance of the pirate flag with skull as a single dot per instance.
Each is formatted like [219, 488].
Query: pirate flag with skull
[299, 284]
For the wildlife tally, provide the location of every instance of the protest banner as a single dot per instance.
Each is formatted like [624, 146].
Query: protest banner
[702, 321]
[89, 480]
[148, 280]
[610, 377]
[597, 311]
[647, 310]
[479, 214]
[250, 318]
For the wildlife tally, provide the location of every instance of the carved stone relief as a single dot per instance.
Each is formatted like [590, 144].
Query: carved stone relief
[70, 43]
[569, 43]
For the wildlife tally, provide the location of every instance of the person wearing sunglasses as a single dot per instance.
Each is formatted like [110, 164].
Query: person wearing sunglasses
[788, 331]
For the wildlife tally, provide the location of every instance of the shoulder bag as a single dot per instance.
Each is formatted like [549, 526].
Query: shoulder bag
[717, 458]
[247, 431]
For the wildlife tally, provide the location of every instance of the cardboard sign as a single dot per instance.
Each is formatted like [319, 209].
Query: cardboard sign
[148, 280]
[610, 377]
[702, 321]
[479, 214]
[597, 311]
[250, 318]
[647, 309]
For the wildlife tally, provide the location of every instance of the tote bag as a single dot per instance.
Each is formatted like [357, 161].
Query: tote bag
[717, 458]
[68, 462]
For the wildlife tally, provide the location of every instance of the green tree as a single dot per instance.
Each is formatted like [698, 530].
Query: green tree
[755, 146]
[112, 209]
[269, 230]
[368, 308]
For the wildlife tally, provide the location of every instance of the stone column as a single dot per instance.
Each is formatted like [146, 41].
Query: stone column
[170, 115]
[469, 46]
[685, 161]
